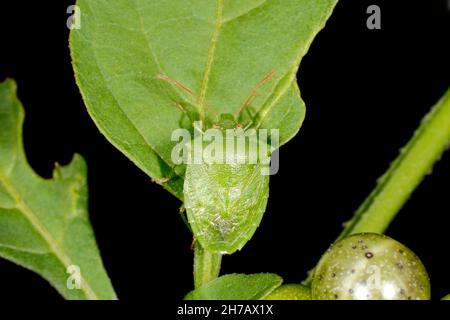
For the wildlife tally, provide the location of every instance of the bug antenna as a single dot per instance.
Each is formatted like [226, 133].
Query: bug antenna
[253, 93]
[174, 82]
[179, 85]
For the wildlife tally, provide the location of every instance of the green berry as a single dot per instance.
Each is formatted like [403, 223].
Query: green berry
[290, 292]
[370, 266]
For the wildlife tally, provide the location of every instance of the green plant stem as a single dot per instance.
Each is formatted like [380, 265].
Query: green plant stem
[206, 265]
[415, 161]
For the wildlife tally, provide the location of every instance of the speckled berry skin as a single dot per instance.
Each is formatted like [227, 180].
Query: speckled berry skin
[370, 266]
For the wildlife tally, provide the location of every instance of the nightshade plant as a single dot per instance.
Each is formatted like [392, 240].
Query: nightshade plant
[148, 68]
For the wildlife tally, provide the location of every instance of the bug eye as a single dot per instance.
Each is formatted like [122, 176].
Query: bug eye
[239, 126]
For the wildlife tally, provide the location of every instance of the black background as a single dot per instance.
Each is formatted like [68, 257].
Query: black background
[365, 91]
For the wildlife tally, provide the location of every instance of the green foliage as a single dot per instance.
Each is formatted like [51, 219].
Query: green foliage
[218, 49]
[146, 68]
[44, 224]
[237, 287]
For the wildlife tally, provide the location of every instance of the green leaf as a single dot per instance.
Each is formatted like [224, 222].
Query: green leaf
[220, 50]
[237, 287]
[290, 292]
[44, 224]
[447, 297]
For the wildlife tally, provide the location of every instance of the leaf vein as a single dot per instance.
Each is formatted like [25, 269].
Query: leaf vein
[43, 231]
[245, 13]
[210, 59]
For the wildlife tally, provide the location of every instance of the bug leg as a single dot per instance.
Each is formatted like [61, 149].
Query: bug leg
[184, 217]
[193, 244]
[160, 180]
[176, 83]
[179, 85]
[248, 125]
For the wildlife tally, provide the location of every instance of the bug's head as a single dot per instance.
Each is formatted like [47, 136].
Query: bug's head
[226, 121]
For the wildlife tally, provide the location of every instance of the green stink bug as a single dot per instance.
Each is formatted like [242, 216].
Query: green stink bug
[225, 203]
[225, 200]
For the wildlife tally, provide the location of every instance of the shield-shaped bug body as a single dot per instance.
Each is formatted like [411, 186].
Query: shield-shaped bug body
[225, 201]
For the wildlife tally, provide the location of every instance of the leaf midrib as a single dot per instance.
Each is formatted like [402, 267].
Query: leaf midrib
[45, 234]
[210, 59]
